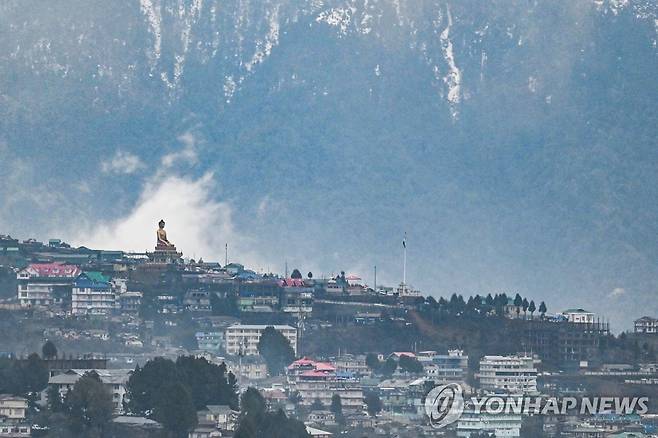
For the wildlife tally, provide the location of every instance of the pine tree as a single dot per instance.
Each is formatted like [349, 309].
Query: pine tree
[532, 308]
[518, 302]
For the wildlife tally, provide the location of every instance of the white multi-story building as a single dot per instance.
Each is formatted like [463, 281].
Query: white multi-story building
[115, 380]
[405, 290]
[580, 316]
[354, 364]
[244, 339]
[130, 302]
[12, 407]
[43, 284]
[444, 368]
[502, 425]
[646, 324]
[92, 294]
[508, 374]
[13, 430]
[248, 368]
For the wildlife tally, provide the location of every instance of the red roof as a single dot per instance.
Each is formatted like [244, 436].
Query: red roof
[323, 366]
[292, 282]
[305, 362]
[56, 270]
[403, 353]
[313, 373]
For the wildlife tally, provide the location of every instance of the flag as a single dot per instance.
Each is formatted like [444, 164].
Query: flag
[404, 241]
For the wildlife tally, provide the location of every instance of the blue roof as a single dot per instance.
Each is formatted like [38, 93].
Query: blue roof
[344, 374]
[248, 275]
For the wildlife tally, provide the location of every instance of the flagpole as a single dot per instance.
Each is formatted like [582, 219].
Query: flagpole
[404, 267]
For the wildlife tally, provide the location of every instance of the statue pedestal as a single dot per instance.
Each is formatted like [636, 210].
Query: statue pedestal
[164, 254]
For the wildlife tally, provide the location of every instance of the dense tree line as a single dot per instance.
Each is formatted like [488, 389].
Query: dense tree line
[21, 377]
[88, 405]
[171, 392]
[257, 421]
[484, 306]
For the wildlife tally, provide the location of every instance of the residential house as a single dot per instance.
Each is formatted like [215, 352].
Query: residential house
[336, 287]
[216, 418]
[92, 294]
[508, 374]
[583, 431]
[444, 368]
[579, 316]
[504, 424]
[355, 286]
[44, 284]
[243, 339]
[296, 296]
[350, 363]
[115, 380]
[320, 380]
[367, 318]
[209, 341]
[130, 302]
[259, 296]
[646, 325]
[197, 301]
[406, 291]
[248, 368]
[321, 417]
[13, 407]
[9, 429]
[205, 432]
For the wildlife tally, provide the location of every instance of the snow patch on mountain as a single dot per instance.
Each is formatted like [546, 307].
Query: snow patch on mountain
[398, 11]
[264, 47]
[230, 87]
[453, 79]
[188, 18]
[154, 19]
[337, 17]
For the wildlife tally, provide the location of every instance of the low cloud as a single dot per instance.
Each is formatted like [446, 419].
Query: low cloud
[122, 163]
[197, 224]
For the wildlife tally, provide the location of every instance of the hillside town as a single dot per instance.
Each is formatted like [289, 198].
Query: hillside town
[99, 342]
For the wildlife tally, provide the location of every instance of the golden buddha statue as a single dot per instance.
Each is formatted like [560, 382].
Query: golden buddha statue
[163, 243]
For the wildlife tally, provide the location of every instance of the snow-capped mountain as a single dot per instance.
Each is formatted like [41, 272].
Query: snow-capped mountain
[514, 140]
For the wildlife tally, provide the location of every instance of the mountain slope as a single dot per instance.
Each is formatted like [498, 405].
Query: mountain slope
[515, 141]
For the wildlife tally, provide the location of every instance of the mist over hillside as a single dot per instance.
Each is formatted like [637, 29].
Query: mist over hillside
[514, 141]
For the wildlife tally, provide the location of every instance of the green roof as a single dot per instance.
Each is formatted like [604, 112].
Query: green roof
[97, 277]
